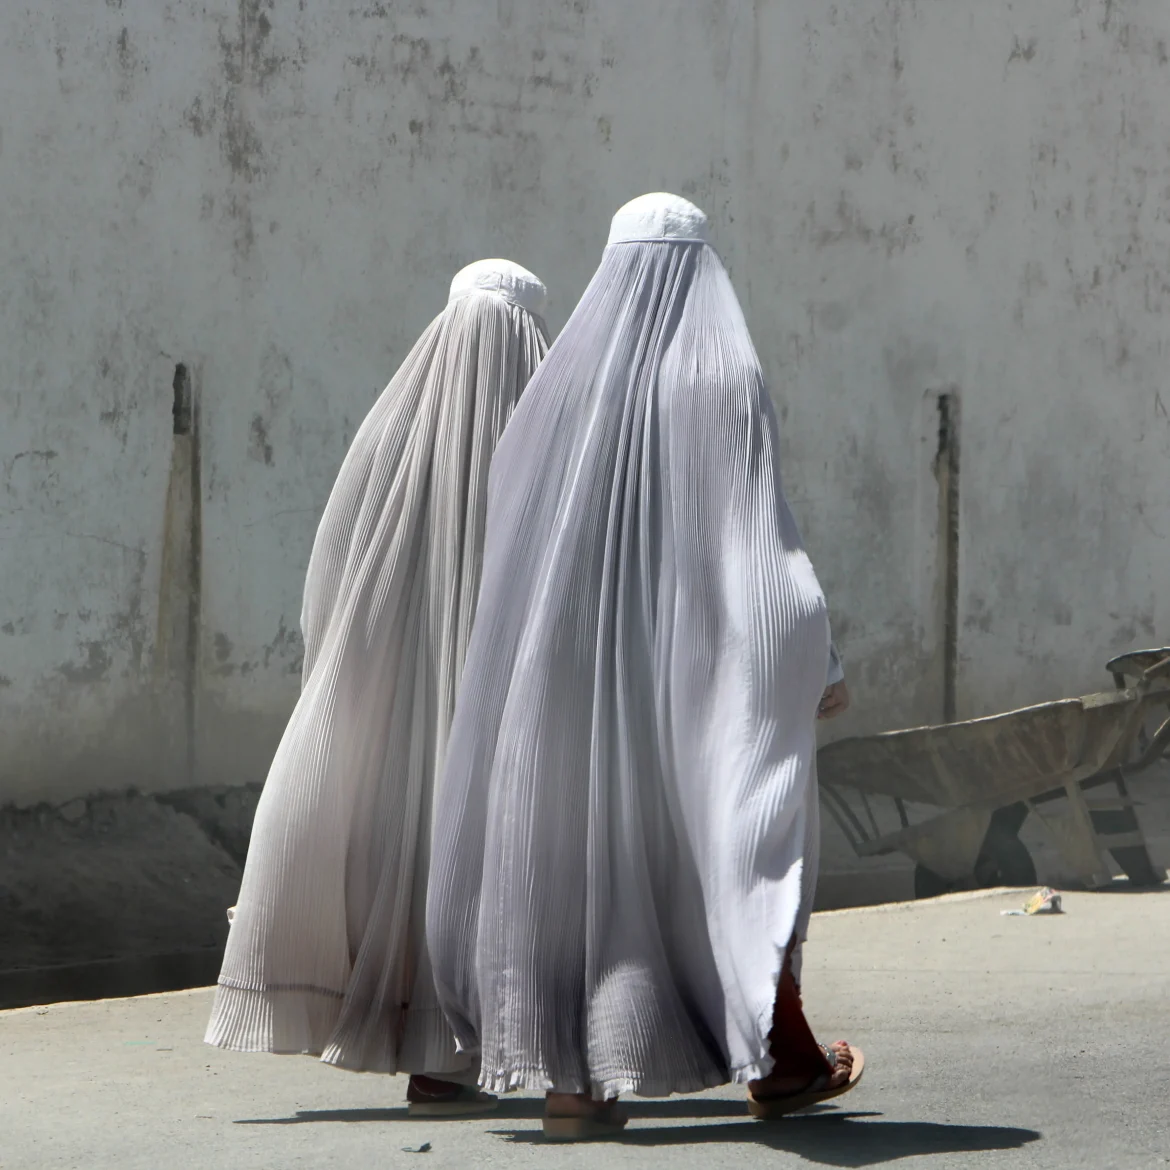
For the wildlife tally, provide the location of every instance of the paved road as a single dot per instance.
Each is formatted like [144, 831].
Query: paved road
[992, 1042]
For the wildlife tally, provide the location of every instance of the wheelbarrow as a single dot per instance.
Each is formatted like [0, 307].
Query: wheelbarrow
[962, 791]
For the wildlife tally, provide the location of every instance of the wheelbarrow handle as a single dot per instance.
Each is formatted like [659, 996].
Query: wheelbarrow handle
[1158, 670]
[1154, 750]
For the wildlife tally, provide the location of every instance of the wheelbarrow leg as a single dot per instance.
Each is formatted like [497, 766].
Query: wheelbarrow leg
[1076, 838]
[1116, 826]
[945, 849]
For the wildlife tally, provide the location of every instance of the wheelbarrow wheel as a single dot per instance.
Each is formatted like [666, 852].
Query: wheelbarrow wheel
[1003, 858]
[928, 884]
[1004, 861]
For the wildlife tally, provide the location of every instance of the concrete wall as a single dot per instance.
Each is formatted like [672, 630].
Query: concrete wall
[913, 199]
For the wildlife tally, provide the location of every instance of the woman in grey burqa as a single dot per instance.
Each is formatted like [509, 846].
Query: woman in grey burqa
[625, 844]
[326, 953]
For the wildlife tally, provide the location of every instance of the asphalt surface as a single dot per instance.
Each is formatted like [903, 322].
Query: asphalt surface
[991, 1041]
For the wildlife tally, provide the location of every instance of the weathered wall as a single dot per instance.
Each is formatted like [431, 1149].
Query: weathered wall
[913, 198]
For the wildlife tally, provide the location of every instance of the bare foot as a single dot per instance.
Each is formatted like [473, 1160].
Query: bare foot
[773, 1086]
[844, 1065]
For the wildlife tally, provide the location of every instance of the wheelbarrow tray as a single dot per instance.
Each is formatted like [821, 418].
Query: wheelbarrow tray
[988, 762]
[971, 769]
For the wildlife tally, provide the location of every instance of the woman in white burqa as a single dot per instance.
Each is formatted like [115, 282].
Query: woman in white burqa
[326, 952]
[625, 847]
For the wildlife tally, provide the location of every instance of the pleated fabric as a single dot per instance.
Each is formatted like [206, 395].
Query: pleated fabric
[326, 953]
[625, 841]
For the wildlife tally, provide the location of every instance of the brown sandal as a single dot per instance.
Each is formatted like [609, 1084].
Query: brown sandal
[606, 1120]
[462, 1102]
[771, 1108]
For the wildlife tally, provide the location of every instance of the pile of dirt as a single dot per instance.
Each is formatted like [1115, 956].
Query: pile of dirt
[119, 876]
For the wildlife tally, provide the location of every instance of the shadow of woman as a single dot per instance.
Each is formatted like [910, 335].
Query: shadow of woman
[830, 1139]
[514, 1108]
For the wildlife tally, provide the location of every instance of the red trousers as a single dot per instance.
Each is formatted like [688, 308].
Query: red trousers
[791, 1042]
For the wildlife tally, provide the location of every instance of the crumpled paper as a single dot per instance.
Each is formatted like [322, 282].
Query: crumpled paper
[1045, 901]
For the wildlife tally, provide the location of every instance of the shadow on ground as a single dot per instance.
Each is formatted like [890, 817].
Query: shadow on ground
[826, 1138]
[522, 1108]
[1122, 886]
[830, 1139]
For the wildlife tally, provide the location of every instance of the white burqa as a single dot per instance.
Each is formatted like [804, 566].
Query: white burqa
[626, 832]
[326, 953]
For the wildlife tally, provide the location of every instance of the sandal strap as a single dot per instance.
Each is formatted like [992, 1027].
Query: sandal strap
[815, 1085]
[830, 1055]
